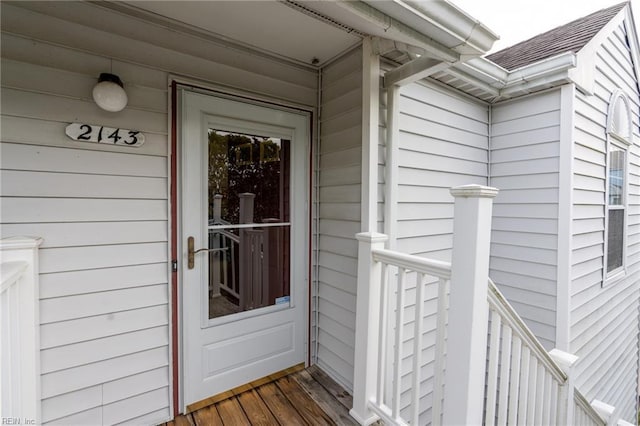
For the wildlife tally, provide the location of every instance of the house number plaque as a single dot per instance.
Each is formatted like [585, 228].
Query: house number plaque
[101, 134]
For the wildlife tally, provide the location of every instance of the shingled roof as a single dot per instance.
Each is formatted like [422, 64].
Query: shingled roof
[567, 38]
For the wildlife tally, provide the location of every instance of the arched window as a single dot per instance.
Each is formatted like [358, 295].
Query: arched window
[619, 117]
[618, 140]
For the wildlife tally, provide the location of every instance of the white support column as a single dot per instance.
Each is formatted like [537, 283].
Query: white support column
[20, 395]
[370, 112]
[391, 166]
[468, 307]
[566, 361]
[367, 327]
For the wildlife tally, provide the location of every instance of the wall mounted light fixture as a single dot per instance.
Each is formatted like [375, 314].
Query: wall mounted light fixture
[109, 93]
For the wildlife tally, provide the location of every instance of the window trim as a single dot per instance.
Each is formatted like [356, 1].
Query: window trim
[616, 140]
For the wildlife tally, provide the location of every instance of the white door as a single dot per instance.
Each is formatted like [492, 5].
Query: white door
[244, 200]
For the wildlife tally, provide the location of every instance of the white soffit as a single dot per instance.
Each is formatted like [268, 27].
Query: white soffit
[266, 25]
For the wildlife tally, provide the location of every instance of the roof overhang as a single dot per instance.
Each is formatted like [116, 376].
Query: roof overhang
[435, 34]
[485, 80]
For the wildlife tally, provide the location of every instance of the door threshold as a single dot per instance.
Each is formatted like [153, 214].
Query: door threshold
[243, 388]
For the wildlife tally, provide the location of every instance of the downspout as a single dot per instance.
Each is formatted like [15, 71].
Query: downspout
[391, 167]
[489, 140]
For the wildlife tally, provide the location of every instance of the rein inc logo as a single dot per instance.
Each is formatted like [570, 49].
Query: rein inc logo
[17, 421]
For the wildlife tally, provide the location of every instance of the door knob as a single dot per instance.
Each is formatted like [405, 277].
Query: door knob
[191, 252]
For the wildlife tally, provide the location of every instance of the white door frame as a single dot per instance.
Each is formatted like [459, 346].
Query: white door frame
[300, 237]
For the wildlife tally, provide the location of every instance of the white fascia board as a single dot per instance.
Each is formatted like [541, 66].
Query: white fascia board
[473, 35]
[542, 69]
[550, 72]
[486, 71]
[584, 74]
[372, 21]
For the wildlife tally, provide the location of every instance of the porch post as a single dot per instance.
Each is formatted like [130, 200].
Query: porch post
[367, 326]
[566, 361]
[468, 308]
[370, 136]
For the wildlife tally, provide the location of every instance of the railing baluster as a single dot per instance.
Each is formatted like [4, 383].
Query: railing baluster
[533, 374]
[514, 384]
[492, 376]
[523, 410]
[438, 368]
[417, 346]
[546, 396]
[382, 341]
[540, 387]
[505, 364]
[397, 373]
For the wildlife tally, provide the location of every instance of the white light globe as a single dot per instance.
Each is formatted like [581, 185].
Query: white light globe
[109, 93]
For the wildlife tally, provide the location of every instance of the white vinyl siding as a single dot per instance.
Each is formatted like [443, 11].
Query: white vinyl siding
[525, 152]
[604, 321]
[340, 156]
[443, 142]
[103, 210]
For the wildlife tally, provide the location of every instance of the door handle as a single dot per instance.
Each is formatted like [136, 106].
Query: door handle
[191, 252]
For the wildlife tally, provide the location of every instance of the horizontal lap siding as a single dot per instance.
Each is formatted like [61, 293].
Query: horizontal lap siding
[103, 210]
[443, 142]
[604, 321]
[339, 215]
[525, 151]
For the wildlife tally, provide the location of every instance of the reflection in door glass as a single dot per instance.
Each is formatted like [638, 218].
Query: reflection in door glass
[248, 206]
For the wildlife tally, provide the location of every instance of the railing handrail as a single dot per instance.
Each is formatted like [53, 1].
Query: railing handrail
[509, 314]
[435, 268]
[11, 272]
[580, 400]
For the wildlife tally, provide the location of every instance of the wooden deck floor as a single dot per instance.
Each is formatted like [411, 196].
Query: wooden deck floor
[305, 397]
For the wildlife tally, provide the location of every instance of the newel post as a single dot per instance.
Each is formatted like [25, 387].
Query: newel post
[367, 326]
[566, 404]
[20, 396]
[468, 309]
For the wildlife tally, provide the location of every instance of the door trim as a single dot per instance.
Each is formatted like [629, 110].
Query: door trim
[175, 82]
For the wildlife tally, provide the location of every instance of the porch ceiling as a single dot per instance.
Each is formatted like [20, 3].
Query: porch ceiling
[269, 26]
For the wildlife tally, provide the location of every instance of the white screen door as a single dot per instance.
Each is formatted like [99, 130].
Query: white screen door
[244, 242]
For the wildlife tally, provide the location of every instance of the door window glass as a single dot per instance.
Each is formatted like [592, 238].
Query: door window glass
[249, 229]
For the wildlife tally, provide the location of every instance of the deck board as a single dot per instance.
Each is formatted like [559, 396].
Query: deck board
[280, 405]
[207, 416]
[306, 407]
[256, 410]
[295, 397]
[232, 413]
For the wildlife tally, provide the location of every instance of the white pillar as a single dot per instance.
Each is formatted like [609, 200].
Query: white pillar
[566, 361]
[367, 326]
[370, 136]
[468, 307]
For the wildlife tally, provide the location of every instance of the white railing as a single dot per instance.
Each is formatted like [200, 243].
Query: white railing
[415, 275]
[19, 330]
[400, 372]
[377, 394]
[584, 414]
[523, 381]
